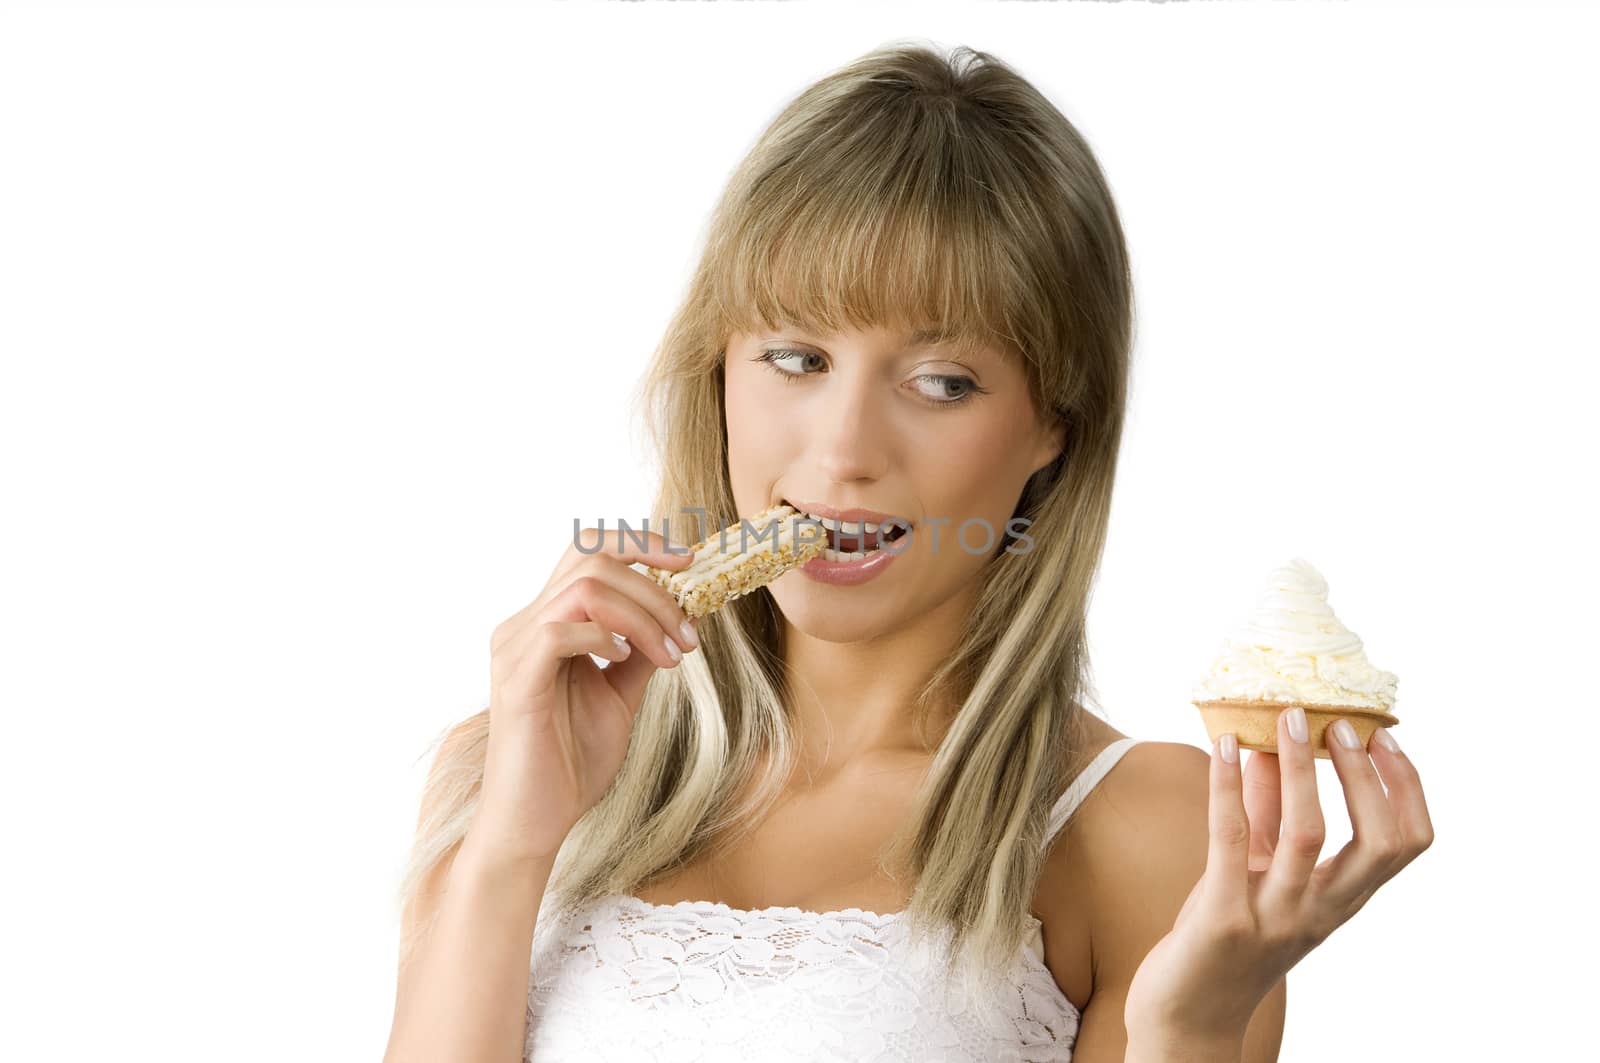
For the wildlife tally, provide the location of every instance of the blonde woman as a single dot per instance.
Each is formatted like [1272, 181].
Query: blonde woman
[864, 813]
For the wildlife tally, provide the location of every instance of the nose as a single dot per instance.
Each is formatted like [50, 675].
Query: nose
[851, 433]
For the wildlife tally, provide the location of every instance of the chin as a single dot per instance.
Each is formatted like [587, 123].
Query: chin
[806, 612]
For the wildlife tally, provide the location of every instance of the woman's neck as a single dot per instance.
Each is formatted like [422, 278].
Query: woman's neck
[854, 700]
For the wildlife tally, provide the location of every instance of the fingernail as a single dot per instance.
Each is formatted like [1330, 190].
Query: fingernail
[1346, 734]
[690, 639]
[673, 651]
[1228, 746]
[1386, 740]
[622, 643]
[1297, 725]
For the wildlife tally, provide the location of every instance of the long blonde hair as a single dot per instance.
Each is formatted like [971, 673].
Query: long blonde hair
[907, 188]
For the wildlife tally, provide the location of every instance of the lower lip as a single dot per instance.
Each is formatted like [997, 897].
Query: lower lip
[849, 573]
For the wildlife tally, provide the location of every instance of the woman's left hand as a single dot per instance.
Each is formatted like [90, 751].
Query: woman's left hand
[1263, 901]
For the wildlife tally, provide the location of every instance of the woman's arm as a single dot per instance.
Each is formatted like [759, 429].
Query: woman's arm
[463, 995]
[1262, 902]
[1143, 849]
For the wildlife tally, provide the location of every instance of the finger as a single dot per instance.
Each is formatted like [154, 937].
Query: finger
[649, 594]
[550, 647]
[628, 678]
[626, 546]
[1303, 831]
[655, 598]
[1227, 858]
[1264, 805]
[593, 598]
[617, 547]
[605, 644]
[1405, 791]
[1405, 795]
[1371, 855]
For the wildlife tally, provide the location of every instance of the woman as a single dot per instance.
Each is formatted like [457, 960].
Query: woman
[869, 817]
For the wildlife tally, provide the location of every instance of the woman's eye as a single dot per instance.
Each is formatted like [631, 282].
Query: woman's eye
[943, 390]
[949, 390]
[773, 357]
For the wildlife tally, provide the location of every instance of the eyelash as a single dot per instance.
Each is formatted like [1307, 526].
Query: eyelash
[769, 358]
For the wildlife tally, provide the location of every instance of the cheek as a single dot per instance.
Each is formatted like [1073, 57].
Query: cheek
[968, 470]
[756, 441]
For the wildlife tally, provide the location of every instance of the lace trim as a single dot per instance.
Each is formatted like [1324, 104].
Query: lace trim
[633, 980]
[719, 908]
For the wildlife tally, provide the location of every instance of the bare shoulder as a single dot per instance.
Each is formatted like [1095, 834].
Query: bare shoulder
[1138, 846]
[1132, 855]
[1155, 798]
[1155, 791]
[1134, 839]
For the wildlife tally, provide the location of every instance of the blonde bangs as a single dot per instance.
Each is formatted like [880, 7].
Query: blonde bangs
[882, 224]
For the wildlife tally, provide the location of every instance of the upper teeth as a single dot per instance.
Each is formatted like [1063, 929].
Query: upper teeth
[849, 527]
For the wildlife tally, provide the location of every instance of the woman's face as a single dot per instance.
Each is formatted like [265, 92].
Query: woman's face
[888, 422]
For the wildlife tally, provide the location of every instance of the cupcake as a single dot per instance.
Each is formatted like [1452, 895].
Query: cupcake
[1293, 651]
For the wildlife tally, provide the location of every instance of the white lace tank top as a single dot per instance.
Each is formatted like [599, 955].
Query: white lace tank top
[628, 980]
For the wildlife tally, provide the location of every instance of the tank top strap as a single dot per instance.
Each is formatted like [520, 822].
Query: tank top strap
[1086, 781]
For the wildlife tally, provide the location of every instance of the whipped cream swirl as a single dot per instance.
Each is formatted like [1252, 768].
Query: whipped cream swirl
[1295, 650]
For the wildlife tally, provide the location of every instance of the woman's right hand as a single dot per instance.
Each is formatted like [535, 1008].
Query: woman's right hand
[559, 725]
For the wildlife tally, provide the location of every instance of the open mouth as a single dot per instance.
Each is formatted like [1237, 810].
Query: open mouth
[853, 540]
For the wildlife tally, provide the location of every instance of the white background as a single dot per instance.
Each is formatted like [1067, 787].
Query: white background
[320, 326]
